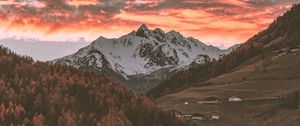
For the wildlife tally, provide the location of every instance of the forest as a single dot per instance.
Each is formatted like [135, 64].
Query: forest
[43, 94]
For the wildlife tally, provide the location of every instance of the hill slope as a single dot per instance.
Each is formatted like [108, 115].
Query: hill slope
[42, 94]
[269, 89]
[263, 73]
[282, 33]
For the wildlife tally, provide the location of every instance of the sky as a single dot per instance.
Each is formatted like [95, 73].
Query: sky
[42, 50]
[220, 23]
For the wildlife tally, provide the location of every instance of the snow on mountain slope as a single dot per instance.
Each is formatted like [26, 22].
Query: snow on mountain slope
[142, 52]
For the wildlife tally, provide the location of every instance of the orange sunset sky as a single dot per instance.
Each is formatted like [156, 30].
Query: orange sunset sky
[218, 22]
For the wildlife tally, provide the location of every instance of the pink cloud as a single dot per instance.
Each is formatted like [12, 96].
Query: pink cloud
[216, 21]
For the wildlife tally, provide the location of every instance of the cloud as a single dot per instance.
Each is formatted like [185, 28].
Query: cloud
[232, 21]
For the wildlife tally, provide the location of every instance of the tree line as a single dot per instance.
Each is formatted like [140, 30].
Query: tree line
[44, 94]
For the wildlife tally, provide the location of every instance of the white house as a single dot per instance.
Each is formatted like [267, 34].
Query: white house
[197, 116]
[215, 116]
[234, 99]
[186, 103]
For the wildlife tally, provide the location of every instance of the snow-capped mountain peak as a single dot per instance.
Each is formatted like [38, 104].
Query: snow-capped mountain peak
[142, 52]
[143, 31]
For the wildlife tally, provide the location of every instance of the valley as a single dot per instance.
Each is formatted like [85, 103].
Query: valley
[255, 83]
[264, 89]
[149, 63]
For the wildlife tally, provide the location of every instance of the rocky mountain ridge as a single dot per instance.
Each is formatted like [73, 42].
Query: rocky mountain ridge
[141, 53]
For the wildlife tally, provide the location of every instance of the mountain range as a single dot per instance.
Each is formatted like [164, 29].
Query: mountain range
[262, 73]
[143, 56]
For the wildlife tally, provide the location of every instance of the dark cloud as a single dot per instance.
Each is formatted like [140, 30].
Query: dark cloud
[61, 10]
[194, 17]
[222, 12]
[110, 7]
[265, 3]
[183, 4]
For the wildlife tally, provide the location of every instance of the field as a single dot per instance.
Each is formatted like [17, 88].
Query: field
[263, 84]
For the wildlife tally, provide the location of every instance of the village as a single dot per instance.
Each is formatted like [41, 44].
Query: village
[216, 115]
[211, 108]
[202, 117]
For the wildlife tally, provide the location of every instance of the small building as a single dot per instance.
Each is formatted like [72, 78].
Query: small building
[187, 116]
[210, 100]
[234, 99]
[199, 117]
[215, 116]
[186, 103]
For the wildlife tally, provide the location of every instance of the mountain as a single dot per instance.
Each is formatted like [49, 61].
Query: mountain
[282, 33]
[263, 73]
[142, 56]
[43, 94]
